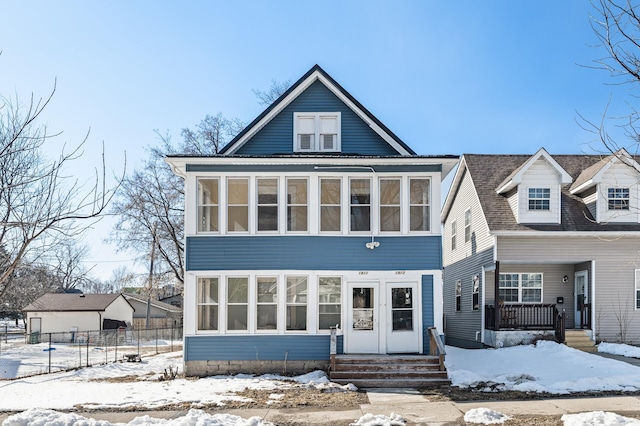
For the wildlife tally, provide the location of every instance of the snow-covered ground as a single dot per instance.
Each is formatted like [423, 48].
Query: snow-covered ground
[546, 367]
[619, 349]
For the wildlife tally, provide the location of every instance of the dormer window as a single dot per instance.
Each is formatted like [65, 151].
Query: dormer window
[539, 198]
[316, 131]
[618, 198]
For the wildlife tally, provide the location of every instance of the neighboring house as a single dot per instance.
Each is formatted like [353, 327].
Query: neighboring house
[541, 235]
[315, 216]
[161, 315]
[68, 312]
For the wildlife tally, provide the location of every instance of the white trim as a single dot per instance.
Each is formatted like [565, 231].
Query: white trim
[543, 234]
[565, 178]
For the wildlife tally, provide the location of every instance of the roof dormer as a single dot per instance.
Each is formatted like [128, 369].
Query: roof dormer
[534, 189]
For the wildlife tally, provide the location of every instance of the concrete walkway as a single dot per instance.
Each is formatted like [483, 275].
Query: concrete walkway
[410, 404]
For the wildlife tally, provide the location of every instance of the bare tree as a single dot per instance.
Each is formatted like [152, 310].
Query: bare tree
[68, 265]
[210, 135]
[274, 91]
[40, 204]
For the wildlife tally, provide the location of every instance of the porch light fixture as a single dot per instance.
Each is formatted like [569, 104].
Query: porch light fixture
[565, 279]
[372, 244]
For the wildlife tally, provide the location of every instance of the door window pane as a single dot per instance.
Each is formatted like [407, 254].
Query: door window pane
[402, 309]
[363, 308]
[390, 205]
[207, 296]
[360, 200]
[237, 303]
[330, 211]
[419, 204]
[296, 303]
[267, 306]
[330, 295]
[267, 204]
[208, 205]
[238, 205]
[297, 205]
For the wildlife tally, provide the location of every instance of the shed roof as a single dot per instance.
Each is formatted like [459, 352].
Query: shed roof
[63, 302]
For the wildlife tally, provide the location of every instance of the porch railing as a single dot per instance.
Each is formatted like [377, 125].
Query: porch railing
[524, 316]
[436, 347]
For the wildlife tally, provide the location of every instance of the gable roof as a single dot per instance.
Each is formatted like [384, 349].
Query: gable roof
[592, 175]
[515, 177]
[156, 303]
[62, 302]
[488, 172]
[315, 74]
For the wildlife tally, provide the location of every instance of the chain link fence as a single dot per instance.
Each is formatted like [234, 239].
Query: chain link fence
[41, 353]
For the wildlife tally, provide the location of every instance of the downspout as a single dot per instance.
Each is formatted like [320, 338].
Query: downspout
[496, 282]
[482, 303]
[592, 287]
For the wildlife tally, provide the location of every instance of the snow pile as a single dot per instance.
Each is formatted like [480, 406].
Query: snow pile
[37, 417]
[379, 420]
[600, 418]
[545, 367]
[485, 416]
[619, 349]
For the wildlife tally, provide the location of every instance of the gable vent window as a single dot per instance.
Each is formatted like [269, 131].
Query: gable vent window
[539, 198]
[618, 198]
[316, 131]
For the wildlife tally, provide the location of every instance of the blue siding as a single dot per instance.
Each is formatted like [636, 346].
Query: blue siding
[312, 252]
[277, 136]
[259, 347]
[427, 309]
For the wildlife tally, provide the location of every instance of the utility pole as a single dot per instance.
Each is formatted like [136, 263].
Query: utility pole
[153, 255]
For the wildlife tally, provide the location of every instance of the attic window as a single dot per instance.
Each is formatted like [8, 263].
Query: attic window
[618, 198]
[316, 132]
[539, 198]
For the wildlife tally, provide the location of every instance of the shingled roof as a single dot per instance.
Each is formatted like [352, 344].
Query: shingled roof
[488, 171]
[64, 302]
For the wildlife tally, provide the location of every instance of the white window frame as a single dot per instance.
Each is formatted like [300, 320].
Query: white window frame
[521, 288]
[288, 204]
[247, 205]
[201, 205]
[199, 303]
[321, 303]
[321, 205]
[248, 304]
[615, 199]
[426, 205]
[258, 204]
[295, 304]
[371, 205]
[275, 303]
[538, 196]
[475, 293]
[454, 235]
[458, 296]
[467, 225]
[316, 145]
[398, 206]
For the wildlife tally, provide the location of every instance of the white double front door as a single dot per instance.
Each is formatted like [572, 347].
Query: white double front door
[382, 318]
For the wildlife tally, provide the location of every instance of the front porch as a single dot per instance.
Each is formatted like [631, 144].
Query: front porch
[535, 317]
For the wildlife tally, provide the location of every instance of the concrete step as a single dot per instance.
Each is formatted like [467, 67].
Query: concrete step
[396, 383]
[579, 339]
[386, 367]
[399, 375]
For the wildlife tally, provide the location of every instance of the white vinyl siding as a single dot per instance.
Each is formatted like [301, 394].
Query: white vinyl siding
[617, 177]
[540, 176]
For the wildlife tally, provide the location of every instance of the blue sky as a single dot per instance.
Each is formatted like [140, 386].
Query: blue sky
[446, 77]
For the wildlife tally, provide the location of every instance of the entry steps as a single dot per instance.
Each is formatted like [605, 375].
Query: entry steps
[389, 371]
[580, 339]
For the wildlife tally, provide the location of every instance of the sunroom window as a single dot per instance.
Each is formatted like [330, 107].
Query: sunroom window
[267, 303]
[208, 205]
[330, 207]
[297, 303]
[330, 297]
[390, 205]
[297, 205]
[267, 204]
[419, 206]
[237, 205]
[237, 303]
[207, 303]
[360, 204]
[318, 131]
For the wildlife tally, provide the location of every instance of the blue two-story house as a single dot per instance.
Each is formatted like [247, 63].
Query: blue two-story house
[315, 216]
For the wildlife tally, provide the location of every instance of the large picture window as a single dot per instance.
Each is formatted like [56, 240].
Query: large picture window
[207, 303]
[390, 205]
[520, 288]
[237, 205]
[297, 205]
[267, 303]
[330, 210]
[208, 205]
[360, 204]
[419, 204]
[267, 204]
[329, 302]
[237, 303]
[297, 303]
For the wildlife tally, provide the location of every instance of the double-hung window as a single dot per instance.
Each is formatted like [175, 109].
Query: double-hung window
[419, 205]
[297, 204]
[330, 202]
[267, 303]
[618, 198]
[390, 205]
[237, 303]
[467, 226]
[360, 204]
[208, 204]
[637, 288]
[458, 295]
[454, 234]
[329, 302]
[297, 287]
[539, 198]
[318, 131]
[237, 205]
[207, 303]
[520, 288]
[267, 204]
[475, 302]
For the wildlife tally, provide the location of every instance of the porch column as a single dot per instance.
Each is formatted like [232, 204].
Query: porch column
[496, 298]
